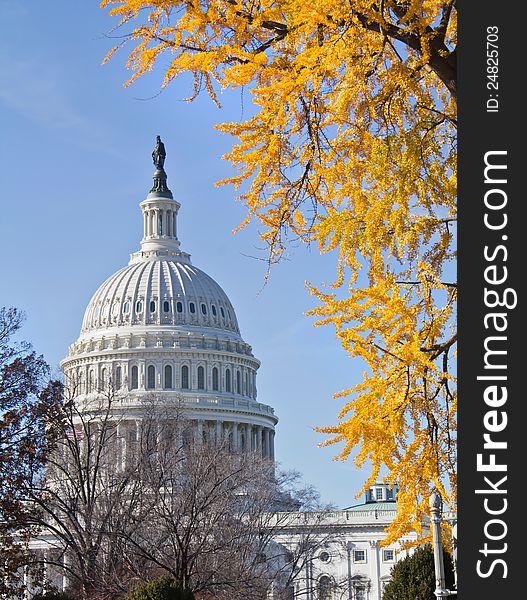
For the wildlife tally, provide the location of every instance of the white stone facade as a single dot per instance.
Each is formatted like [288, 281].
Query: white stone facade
[347, 560]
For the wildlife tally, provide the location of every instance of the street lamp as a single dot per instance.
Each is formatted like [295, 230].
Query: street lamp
[436, 509]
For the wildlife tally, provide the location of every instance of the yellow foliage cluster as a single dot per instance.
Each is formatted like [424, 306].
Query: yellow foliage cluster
[352, 145]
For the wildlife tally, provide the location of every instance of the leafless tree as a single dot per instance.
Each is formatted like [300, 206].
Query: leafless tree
[125, 500]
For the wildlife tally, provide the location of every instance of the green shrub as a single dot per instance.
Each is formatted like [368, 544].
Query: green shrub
[163, 588]
[413, 578]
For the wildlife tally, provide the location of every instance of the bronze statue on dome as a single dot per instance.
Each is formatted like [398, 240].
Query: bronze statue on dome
[159, 154]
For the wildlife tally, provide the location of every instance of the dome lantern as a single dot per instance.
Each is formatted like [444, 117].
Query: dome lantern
[160, 209]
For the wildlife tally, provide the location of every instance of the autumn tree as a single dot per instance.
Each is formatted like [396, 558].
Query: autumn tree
[24, 404]
[351, 145]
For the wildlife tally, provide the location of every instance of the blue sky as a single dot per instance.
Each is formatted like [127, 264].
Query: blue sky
[75, 161]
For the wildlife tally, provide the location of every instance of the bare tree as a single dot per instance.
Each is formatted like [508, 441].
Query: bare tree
[126, 498]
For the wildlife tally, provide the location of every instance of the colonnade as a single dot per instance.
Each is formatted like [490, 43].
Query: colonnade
[160, 222]
[239, 436]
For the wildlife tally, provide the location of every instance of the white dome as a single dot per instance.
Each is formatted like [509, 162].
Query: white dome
[162, 326]
[160, 291]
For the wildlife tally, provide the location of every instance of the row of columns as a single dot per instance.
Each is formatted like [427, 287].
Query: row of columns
[159, 222]
[240, 436]
[90, 379]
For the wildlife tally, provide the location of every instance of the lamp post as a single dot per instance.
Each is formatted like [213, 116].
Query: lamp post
[436, 509]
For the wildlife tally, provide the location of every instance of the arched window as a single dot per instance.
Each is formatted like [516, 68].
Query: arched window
[160, 224]
[103, 379]
[228, 380]
[324, 588]
[151, 377]
[126, 308]
[201, 378]
[90, 382]
[179, 307]
[215, 385]
[118, 378]
[152, 306]
[246, 383]
[184, 377]
[222, 312]
[168, 377]
[166, 306]
[138, 306]
[360, 586]
[204, 309]
[192, 307]
[214, 312]
[238, 382]
[135, 378]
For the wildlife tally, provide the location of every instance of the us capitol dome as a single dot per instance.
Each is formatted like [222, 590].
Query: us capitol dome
[162, 327]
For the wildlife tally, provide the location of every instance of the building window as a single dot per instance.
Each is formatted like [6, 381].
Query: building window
[215, 379]
[118, 378]
[126, 308]
[238, 382]
[168, 377]
[201, 378]
[151, 377]
[387, 555]
[359, 556]
[160, 224]
[204, 309]
[179, 307]
[214, 312]
[90, 381]
[139, 307]
[135, 378]
[228, 380]
[222, 312]
[166, 306]
[152, 306]
[324, 588]
[324, 556]
[184, 377]
[192, 308]
[378, 493]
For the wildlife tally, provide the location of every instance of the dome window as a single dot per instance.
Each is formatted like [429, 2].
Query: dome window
[238, 382]
[152, 306]
[214, 312]
[118, 378]
[151, 377]
[166, 306]
[201, 378]
[222, 312]
[228, 380]
[215, 379]
[138, 306]
[135, 378]
[126, 308]
[168, 377]
[204, 309]
[184, 377]
[179, 307]
[192, 307]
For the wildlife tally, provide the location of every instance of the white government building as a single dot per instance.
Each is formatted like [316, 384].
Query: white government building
[162, 325]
